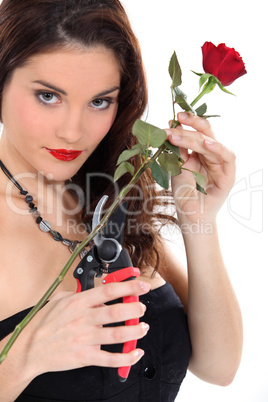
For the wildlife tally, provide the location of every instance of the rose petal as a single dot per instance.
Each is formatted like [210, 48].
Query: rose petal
[211, 58]
[223, 62]
[231, 67]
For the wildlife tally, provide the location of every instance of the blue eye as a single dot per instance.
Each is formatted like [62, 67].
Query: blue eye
[101, 104]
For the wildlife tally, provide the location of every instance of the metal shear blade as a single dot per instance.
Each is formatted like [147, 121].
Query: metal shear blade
[108, 247]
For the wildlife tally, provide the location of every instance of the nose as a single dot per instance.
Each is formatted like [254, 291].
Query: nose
[70, 128]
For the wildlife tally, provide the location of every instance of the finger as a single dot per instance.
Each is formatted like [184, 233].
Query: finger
[185, 155]
[112, 291]
[227, 156]
[196, 122]
[116, 313]
[116, 335]
[107, 359]
[197, 142]
[211, 152]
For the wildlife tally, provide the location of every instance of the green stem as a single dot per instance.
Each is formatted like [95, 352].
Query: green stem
[173, 105]
[204, 92]
[188, 170]
[206, 89]
[175, 122]
[84, 243]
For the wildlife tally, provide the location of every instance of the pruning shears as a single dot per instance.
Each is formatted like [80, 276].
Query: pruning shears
[108, 257]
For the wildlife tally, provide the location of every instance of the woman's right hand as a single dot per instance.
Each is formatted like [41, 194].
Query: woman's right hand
[68, 332]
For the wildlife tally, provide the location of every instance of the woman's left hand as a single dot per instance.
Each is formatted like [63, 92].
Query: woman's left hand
[209, 157]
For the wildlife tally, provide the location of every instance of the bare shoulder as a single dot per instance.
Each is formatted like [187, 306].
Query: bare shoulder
[28, 264]
[6, 246]
[7, 225]
[173, 271]
[170, 270]
[154, 278]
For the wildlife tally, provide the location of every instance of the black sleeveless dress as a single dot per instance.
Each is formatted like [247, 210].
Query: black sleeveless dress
[156, 377]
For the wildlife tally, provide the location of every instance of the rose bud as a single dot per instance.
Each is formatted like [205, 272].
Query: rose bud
[223, 62]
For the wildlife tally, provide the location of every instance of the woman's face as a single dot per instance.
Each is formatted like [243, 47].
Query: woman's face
[57, 108]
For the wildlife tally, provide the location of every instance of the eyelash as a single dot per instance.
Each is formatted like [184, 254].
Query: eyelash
[40, 94]
[109, 101]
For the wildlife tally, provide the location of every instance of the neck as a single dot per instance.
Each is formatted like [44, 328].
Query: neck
[59, 199]
[52, 198]
[32, 180]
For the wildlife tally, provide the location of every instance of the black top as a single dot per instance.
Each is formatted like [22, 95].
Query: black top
[156, 377]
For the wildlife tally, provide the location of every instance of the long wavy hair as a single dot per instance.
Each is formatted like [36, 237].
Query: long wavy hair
[31, 27]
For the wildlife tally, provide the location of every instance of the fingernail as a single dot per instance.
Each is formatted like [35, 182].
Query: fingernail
[210, 142]
[145, 326]
[144, 307]
[139, 352]
[169, 132]
[176, 138]
[145, 286]
[183, 116]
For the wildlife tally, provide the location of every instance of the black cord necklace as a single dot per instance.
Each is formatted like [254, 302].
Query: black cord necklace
[45, 226]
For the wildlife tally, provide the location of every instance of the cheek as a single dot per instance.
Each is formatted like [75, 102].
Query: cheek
[32, 120]
[22, 117]
[103, 125]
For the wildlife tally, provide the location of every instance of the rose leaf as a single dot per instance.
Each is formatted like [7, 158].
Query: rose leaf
[199, 74]
[125, 167]
[129, 153]
[200, 182]
[148, 135]
[175, 150]
[201, 110]
[223, 88]
[206, 116]
[175, 71]
[160, 175]
[181, 100]
[203, 79]
[170, 163]
[210, 85]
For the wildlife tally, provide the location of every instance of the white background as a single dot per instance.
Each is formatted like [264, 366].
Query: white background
[165, 26]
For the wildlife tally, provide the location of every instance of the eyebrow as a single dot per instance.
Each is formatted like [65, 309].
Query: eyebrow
[50, 86]
[54, 88]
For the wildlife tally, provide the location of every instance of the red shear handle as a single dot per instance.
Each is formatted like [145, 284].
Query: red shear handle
[119, 276]
[123, 372]
[122, 274]
[79, 286]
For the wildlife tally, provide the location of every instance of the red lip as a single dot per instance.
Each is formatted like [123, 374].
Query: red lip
[64, 154]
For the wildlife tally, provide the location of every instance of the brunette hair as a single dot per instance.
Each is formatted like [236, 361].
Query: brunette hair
[31, 27]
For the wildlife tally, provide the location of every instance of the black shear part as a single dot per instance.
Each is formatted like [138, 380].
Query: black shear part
[93, 265]
[116, 224]
[108, 256]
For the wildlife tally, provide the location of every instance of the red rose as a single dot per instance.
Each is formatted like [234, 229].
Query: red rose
[223, 62]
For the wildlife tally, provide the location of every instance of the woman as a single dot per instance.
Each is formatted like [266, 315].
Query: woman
[72, 86]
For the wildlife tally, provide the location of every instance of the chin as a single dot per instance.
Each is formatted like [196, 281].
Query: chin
[59, 174]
